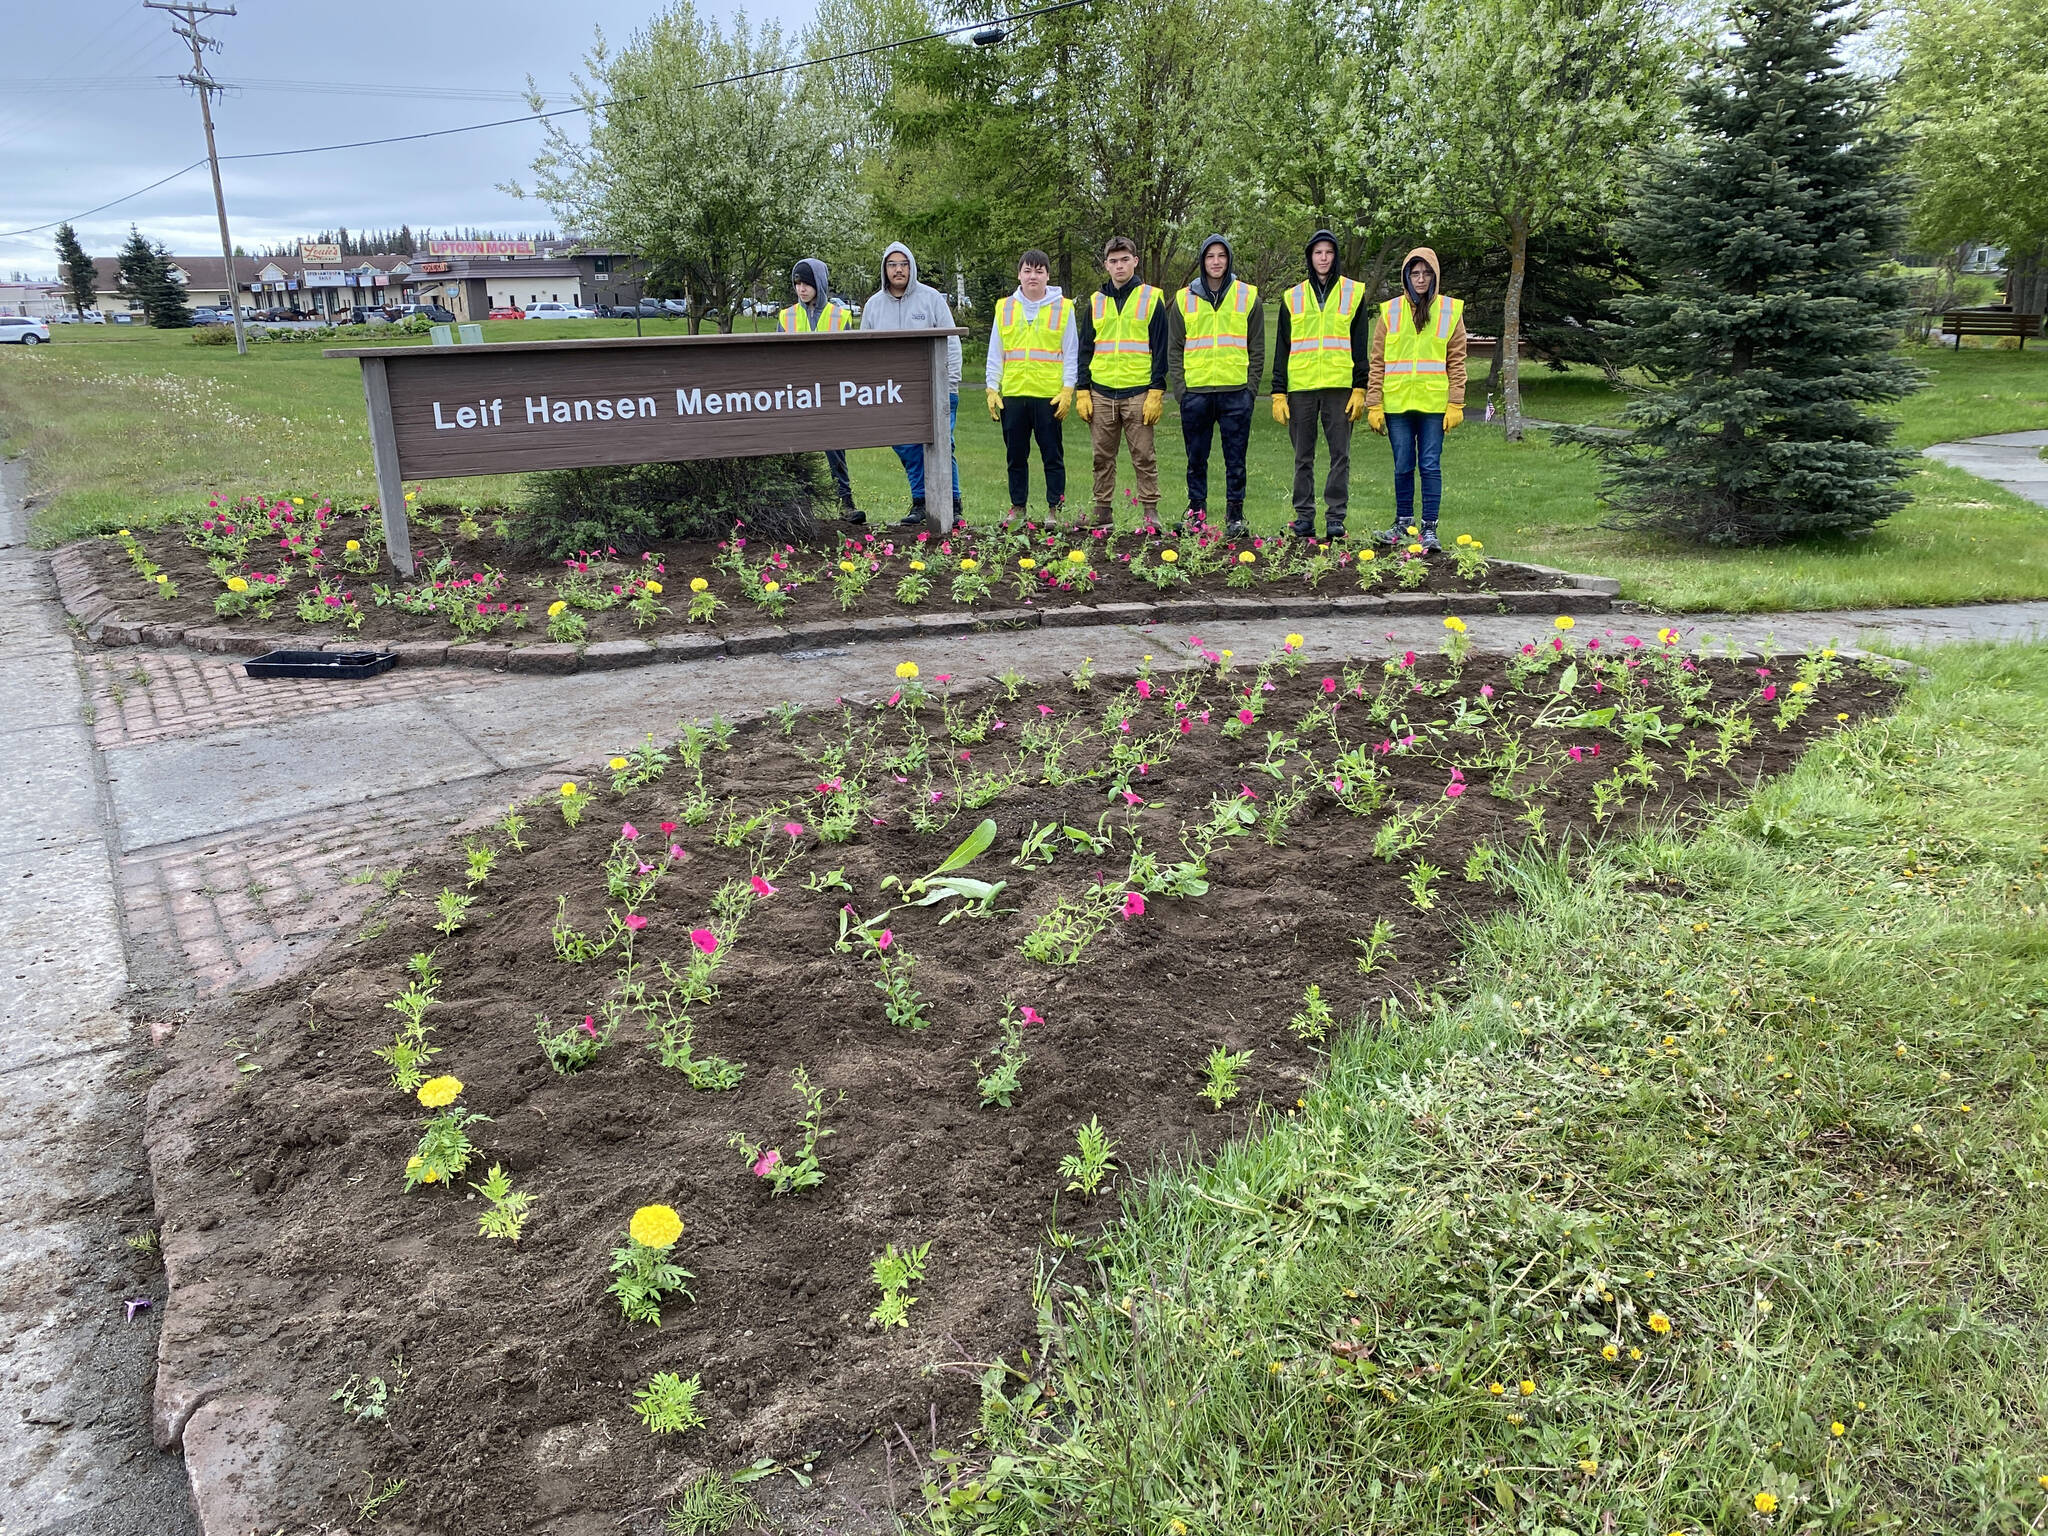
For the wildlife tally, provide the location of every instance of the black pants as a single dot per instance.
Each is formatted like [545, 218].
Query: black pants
[1202, 414]
[1025, 418]
[842, 482]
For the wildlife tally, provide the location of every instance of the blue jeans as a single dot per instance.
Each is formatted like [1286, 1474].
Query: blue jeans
[1418, 441]
[1201, 415]
[912, 455]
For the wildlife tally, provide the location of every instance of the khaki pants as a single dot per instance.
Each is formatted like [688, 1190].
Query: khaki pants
[1123, 420]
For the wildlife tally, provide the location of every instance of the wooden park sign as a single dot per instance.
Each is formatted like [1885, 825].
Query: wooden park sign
[503, 407]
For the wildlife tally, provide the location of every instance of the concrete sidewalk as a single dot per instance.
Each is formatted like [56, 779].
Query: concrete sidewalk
[75, 1368]
[2009, 459]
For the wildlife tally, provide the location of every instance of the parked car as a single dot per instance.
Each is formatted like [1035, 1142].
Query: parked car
[507, 312]
[440, 314]
[674, 307]
[650, 309]
[206, 314]
[549, 310]
[26, 329]
[124, 319]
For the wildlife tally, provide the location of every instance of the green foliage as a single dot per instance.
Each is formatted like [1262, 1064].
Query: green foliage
[896, 1271]
[1773, 318]
[444, 1148]
[708, 1506]
[75, 271]
[644, 1276]
[667, 1405]
[1090, 1163]
[635, 505]
[1219, 1073]
[507, 1216]
[147, 282]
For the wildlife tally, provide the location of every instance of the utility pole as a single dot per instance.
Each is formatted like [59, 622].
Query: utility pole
[187, 27]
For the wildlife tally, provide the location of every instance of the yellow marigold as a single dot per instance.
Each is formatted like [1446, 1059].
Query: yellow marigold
[238, 583]
[1565, 621]
[917, 565]
[844, 565]
[125, 534]
[555, 608]
[1413, 531]
[1800, 687]
[1464, 538]
[351, 546]
[906, 670]
[617, 763]
[970, 564]
[1455, 624]
[1075, 557]
[771, 586]
[440, 1092]
[1366, 554]
[1245, 557]
[1766, 1501]
[412, 495]
[698, 584]
[1026, 563]
[1292, 642]
[1415, 549]
[654, 587]
[1168, 556]
[1477, 545]
[1659, 1323]
[656, 1226]
[569, 791]
[162, 577]
[298, 501]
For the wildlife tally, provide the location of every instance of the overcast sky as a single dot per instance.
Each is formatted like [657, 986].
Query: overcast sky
[84, 116]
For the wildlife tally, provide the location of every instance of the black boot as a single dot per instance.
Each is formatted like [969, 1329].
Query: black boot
[917, 515]
[1234, 525]
[849, 513]
[1303, 527]
[1333, 532]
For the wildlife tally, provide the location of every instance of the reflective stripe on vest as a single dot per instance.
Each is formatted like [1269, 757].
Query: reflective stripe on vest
[1417, 372]
[1218, 351]
[796, 320]
[1123, 338]
[1319, 335]
[1032, 351]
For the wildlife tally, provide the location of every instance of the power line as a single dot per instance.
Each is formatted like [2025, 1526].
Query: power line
[58, 85]
[993, 26]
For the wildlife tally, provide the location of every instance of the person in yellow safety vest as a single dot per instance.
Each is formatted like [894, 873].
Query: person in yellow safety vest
[1216, 352]
[1319, 376]
[1121, 387]
[1415, 391]
[1034, 354]
[815, 310]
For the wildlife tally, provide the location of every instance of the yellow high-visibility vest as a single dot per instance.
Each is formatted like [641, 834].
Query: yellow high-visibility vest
[1416, 379]
[1218, 347]
[1032, 353]
[796, 320]
[1319, 335]
[1123, 338]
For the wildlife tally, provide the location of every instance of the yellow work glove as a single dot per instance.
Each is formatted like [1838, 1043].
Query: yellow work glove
[1453, 414]
[1155, 407]
[1062, 404]
[1085, 404]
[1376, 418]
[1280, 407]
[1355, 406]
[995, 406]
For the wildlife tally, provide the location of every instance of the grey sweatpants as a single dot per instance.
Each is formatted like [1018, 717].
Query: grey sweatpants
[1306, 410]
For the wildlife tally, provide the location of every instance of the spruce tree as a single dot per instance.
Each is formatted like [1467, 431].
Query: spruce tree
[75, 268]
[166, 303]
[1769, 319]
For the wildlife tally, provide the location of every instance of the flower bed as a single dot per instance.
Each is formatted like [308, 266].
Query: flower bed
[305, 567]
[721, 1107]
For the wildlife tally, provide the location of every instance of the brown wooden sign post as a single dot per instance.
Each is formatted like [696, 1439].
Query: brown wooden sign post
[438, 412]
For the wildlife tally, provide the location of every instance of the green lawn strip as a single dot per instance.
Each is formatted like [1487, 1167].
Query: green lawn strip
[135, 428]
[1780, 1084]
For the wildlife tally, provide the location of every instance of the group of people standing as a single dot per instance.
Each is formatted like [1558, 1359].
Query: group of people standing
[1337, 359]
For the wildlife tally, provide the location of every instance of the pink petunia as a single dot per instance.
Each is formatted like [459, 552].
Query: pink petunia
[761, 886]
[1453, 789]
[668, 829]
[793, 829]
[1045, 709]
[1131, 799]
[589, 1028]
[1329, 685]
[1574, 754]
[885, 938]
[705, 940]
[1245, 717]
[675, 851]
[635, 922]
[1486, 690]
[1134, 906]
[1187, 727]
[765, 1163]
[1030, 1016]
[1770, 692]
[1144, 689]
[629, 833]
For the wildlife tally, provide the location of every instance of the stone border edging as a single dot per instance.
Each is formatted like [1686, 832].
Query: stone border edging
[105, 622]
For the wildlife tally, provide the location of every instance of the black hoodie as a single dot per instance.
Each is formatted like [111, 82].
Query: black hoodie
[1177, 327]
[1155, 331]
[1361, 319]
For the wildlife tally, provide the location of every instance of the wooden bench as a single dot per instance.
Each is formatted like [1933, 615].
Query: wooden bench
[1990, 322]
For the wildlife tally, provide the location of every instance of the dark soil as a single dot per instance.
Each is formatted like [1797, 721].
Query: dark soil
[516, 1411]
[530, 583]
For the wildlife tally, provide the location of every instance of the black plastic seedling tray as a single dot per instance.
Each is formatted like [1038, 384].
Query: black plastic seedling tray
[328, 664]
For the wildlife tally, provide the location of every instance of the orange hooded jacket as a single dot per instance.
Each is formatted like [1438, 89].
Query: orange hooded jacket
[1454, 357]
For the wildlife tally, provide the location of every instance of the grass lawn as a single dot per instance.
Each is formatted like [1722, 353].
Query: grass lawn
[1711, 1197]
[136, 427]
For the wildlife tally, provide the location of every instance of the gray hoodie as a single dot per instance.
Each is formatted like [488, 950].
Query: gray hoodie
[1070, 340]
[1177, 328]
[811, 270]
[922, 308]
